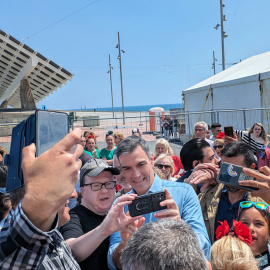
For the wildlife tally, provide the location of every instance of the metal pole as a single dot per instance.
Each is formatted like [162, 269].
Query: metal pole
[122, 93]
[110, 71]
[222, 35]
[214, 63]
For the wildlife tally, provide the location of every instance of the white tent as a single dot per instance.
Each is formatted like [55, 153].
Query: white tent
[245, 85]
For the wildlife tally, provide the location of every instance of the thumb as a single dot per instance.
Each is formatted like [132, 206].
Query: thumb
[29, 152]
[140, 222]
[167, 194]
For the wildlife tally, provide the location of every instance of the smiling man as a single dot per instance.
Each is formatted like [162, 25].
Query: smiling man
[137, 167]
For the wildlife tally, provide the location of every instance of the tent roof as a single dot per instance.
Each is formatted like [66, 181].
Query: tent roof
[18, 61]
[254, 65]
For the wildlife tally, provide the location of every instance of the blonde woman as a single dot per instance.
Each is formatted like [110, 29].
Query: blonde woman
[118, 137]
[163, 166]
[255, 137]
[162, 147]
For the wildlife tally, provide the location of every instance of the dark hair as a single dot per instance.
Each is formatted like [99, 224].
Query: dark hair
[5, 205]
[129, 144]
[215, 125]
[235, 149]
[16, 196]
[192, 150]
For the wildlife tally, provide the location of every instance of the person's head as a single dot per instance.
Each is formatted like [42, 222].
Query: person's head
[215, 129]
[63, 211]
[2, 153]
[3, 176]
[90, 144]
[231, 253]
[136, 132]
[16, 196]
[82, 142]
[200, 130]
[118, 137]
[5, 205]
[238, 153]
[86, 134]
[196, 151]
[208, 134]
[121, 180]
[163, 244]
[165, 163]
[257, 217]
[258, 130]
[109, 139]
[136, 165]
[162, 147]
[218, 146]
[97, 185]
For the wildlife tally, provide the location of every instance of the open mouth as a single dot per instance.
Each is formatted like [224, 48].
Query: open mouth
[104, 199]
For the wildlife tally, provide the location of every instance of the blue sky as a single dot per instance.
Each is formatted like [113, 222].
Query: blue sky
[168, 44]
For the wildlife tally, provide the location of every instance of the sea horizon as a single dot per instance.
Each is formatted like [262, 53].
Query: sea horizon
[139, 108]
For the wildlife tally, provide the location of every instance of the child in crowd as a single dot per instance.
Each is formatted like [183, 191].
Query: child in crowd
[257, 217]
[231, 251]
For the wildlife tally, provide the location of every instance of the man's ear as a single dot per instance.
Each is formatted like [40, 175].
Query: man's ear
[253, 166]
[195, 163]
[82, 191]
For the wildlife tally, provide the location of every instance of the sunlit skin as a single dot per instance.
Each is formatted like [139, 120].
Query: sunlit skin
[207, 134]
[120, 178]
[110, 142]
[257, 131]
[90, 145]
[258, 227]
[86, 134]
[215, 131]
[209, 156]
[200, 131]
[82, 142]
[116, 141]
[218, 150]
[166, 172]
[160, 149]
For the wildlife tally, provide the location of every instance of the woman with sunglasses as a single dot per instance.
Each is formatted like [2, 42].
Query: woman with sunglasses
[218, 146]
[118, 137]
[163, 166]
[257, 217]
[107, 153]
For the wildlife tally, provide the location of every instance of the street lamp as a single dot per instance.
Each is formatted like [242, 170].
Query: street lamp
[119, 58]
[110, 71]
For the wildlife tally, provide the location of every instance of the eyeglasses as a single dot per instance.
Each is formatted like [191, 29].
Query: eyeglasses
[258, 205]
[98, 186]
[218, 146]
[161, 166]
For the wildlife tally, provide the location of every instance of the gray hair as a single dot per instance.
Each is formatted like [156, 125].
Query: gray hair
[129, 144]
[201, 123]
[163, 244]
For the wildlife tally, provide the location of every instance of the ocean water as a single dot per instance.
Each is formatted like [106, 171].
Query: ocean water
[142, 108]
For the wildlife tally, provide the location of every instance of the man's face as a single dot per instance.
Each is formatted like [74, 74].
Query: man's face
[99, 201]
[120, 178]
[209, 156]
[215, 131]
[138, 170]
[200, 131]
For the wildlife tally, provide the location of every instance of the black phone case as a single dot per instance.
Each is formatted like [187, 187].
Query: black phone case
[146, 204]
[231, 175]
[228, 131]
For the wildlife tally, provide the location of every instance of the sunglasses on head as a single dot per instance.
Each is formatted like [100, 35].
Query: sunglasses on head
[161, 166]
[258, 205]
[218, 146]
[109, 133]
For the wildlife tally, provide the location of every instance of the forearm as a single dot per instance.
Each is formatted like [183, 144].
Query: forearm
[110, 161]
[83, 246]
[117, 255]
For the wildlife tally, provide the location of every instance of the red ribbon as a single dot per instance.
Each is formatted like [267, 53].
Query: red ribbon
[239, 230]
[91, 136]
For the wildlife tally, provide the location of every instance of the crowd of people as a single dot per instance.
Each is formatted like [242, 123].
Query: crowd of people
[73, 210]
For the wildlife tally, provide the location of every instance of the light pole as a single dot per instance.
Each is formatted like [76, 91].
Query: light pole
[119, 58]
[214, 63]
[110, 71]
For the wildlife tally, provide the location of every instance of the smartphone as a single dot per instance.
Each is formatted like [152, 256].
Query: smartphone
[51, 127]
[231, 175]
[228, 131]
[145, 204]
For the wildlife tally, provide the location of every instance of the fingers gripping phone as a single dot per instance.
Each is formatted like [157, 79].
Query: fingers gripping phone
[145, 204]
[231, 175]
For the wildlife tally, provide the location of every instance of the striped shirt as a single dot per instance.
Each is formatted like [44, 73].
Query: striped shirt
[246, 137]
[23, 246]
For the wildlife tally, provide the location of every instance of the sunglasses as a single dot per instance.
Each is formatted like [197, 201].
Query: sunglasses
[109, 133]
[161, 166]
[218, 146]
[258, 205]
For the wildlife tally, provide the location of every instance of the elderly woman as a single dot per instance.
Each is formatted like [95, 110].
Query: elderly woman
[218, 146]
[163, 166]
[162, 147]
[255, 137]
